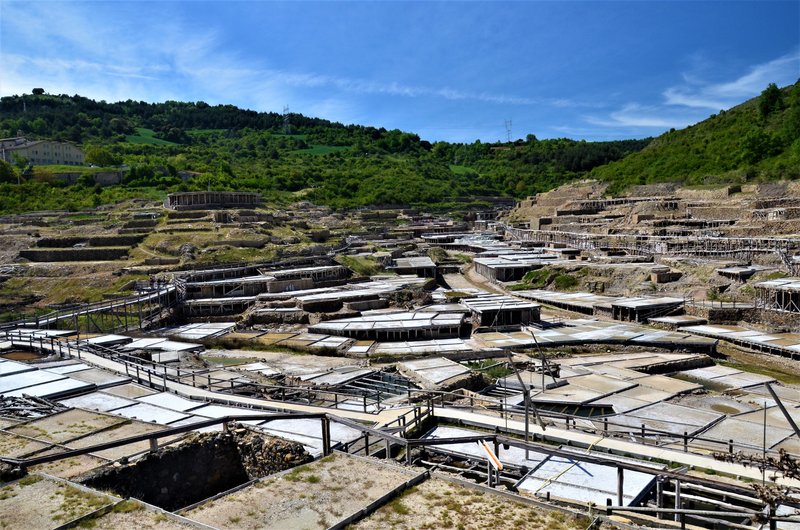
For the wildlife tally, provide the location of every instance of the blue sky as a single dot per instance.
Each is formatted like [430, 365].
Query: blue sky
[451, 71]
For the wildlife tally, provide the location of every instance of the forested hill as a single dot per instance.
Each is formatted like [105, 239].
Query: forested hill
[285, 159]
[757, 140]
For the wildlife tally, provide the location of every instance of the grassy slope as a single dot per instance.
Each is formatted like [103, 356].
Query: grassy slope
[711, 151]
[147, 136]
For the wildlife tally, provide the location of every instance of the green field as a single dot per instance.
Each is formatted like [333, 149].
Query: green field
[58, 168]
[147, 137]
[321, 149]
[461, 170]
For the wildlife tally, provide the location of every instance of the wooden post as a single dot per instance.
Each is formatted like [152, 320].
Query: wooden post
[326, 436]
[659, 494]
[620, 481]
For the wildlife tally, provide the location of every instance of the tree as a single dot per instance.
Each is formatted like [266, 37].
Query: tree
[20, 161]
[7, 174]
[771, 100]
[38, 91]
[757, 145]
[100, 156]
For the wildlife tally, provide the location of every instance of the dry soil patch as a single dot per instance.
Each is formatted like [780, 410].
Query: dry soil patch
[438, 504]
[313, 496]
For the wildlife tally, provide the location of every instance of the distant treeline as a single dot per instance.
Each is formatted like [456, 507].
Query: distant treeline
[331, 163]
[755, 141]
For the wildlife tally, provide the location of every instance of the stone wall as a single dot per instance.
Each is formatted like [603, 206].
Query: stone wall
[75, 254]
[718, 212]
[141, 223]
[187, 214]
[204, 465]
[720, 315]
[775, 320]
[722, 192]
[104, 178]
[94, 241]
[162, 261]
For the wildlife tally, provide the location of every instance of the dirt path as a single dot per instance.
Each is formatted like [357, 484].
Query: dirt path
[471, 280]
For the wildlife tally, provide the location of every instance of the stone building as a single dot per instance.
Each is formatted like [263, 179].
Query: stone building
[41, 152]
[200, 200]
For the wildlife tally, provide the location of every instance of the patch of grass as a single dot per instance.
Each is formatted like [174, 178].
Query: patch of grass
[322, 149]
[463, 258]
[227, 361]
[229, 254]
[298, 474]
[147, 137]
[490, 368]
[127, 506]
[461, 170]
[398, 507]
[783, 377]
[75, 503]
[456, 295]
[360, 265]
[558, 279]
[437, 254]
[29, 480]
[564, 282]
[60, 168]
[536, 279]
[776, 275]
[7, 493]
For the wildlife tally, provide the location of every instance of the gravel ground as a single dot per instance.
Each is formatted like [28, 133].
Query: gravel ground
[438, 504]
[33, 503]
[313, 496]
[130, 514]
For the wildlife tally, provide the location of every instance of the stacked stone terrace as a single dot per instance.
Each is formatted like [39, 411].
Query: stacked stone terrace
[733, 211]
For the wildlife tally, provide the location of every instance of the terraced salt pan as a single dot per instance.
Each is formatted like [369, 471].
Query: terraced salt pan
[312, 496]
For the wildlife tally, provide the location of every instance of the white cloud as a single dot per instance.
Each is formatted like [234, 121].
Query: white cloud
[169, 56]
[697, 94]
[634, 115]
[688, 103]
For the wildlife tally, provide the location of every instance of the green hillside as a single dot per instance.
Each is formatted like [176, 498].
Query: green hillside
[340, 165]
[757, 140]
[178, 146]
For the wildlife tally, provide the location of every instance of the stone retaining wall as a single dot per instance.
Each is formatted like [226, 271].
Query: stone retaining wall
[75, 254]
[94, 241]
[202, 466]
